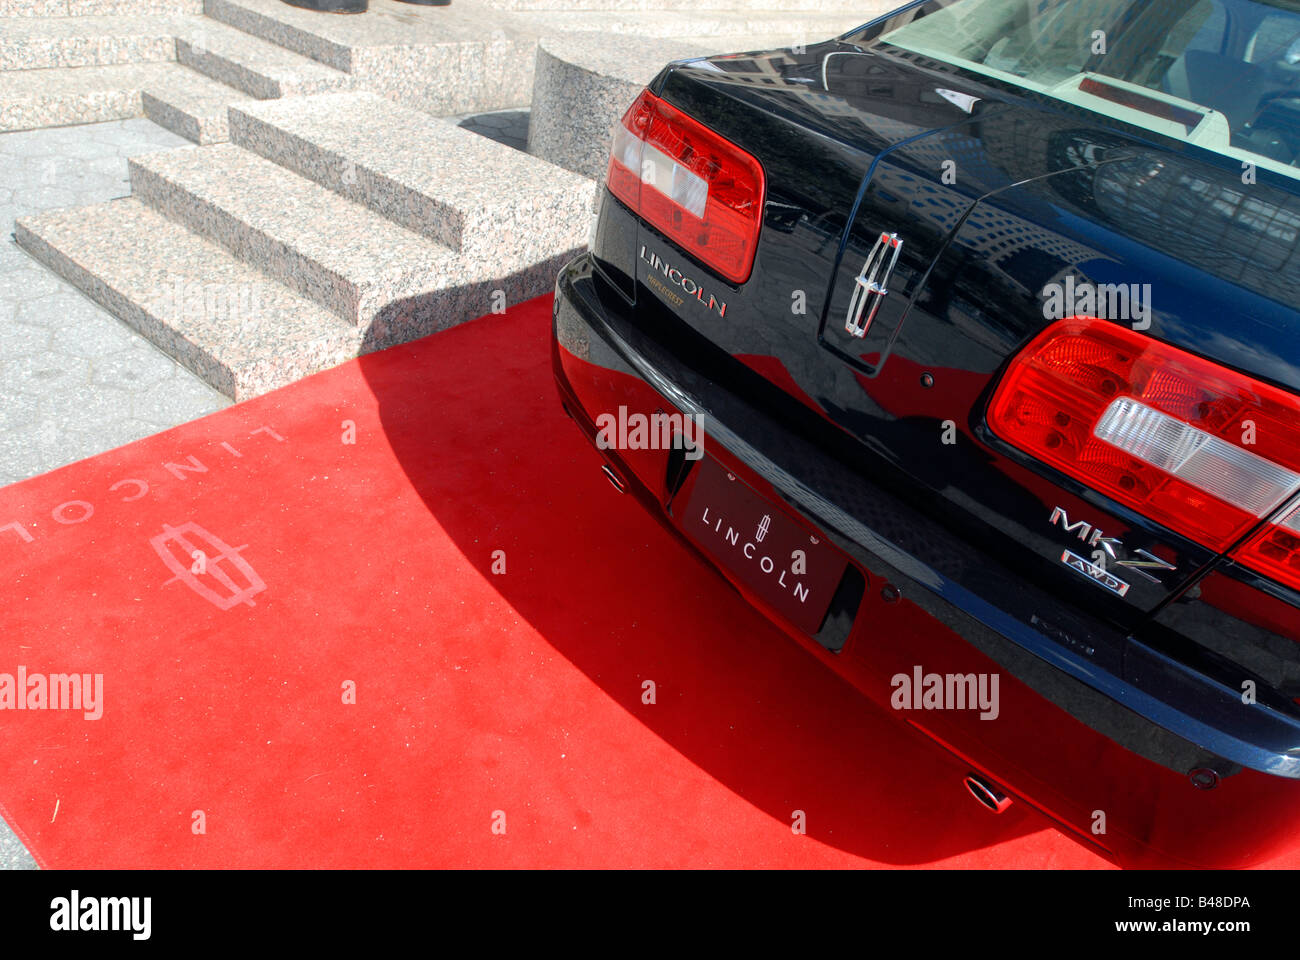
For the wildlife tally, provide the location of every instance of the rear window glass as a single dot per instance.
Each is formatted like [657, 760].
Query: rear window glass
[1223, 74]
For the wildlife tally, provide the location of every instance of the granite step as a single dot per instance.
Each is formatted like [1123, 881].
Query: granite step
[261, 69]
[97, 8]
[30, 99]
[336, 253]
[462, 58]
[270, 25]
[33, 8]
[40, 43]
[232, 326]
[190, 104]
[495, 206]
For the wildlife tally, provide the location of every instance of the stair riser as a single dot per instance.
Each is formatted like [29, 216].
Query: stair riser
[305, 276]
[282, 34]
[471, 77]
[192, 53]
[252, 80]
[33, 8]
[32, 113]
[46, 53]
[212, 128]
[96, 8]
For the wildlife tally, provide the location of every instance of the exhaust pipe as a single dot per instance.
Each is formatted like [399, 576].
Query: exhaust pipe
[614, 479]
[988, 795]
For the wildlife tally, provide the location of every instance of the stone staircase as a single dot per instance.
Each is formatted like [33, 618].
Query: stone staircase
[328, 226]
[81, 62]
[326, 209]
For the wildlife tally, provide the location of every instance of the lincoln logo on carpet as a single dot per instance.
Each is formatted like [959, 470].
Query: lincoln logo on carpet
[199, 560]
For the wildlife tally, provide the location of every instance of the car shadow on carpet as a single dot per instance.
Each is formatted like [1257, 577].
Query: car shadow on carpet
[481, 437]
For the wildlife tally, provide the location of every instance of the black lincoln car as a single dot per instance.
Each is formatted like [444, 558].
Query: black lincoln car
[972, 338]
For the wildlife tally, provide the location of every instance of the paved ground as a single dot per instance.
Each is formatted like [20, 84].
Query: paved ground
[504, 126]
[74, 380]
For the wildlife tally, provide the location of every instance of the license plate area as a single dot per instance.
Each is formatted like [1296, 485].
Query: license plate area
[794, 571]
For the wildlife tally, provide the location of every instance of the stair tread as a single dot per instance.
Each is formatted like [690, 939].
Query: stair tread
[69, 80]
[482, 198]
[192, 90]
[429, 153]
[36, 43]
[19, 29]
[135, 253]
[349, 240]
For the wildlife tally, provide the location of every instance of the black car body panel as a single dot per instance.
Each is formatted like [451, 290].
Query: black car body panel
[997, 193]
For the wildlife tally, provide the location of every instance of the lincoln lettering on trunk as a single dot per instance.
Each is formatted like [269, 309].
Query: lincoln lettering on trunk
[690, 286]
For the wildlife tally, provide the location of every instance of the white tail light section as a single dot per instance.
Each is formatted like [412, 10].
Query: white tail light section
[1219, 468]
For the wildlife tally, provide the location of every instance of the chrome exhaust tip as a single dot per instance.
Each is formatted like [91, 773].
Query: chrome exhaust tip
[988, 795]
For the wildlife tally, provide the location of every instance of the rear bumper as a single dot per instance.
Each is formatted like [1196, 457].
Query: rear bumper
[1104, 751]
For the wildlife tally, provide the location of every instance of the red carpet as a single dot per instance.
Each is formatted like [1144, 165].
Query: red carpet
[330, 563]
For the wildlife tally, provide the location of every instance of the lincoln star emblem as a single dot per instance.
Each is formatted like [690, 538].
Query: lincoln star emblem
[869, 287]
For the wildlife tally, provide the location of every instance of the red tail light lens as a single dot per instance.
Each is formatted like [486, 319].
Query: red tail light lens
[1275, 550]
[1198, 448]
[701, 190]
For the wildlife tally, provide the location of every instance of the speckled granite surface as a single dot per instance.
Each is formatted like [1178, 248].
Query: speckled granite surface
[581, 90]
[76, 8]
[443, 60]
[336, 253]
[62, 97]
[394, 225]
[231, 325]
[257, 67]
[235, 327]
[493, 205]
[33, 8]
[34, 43]
[386, 23]
[186, 102]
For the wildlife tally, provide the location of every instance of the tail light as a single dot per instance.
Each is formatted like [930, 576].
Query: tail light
[701, 190]
[1275, 550]
[1200, 449]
